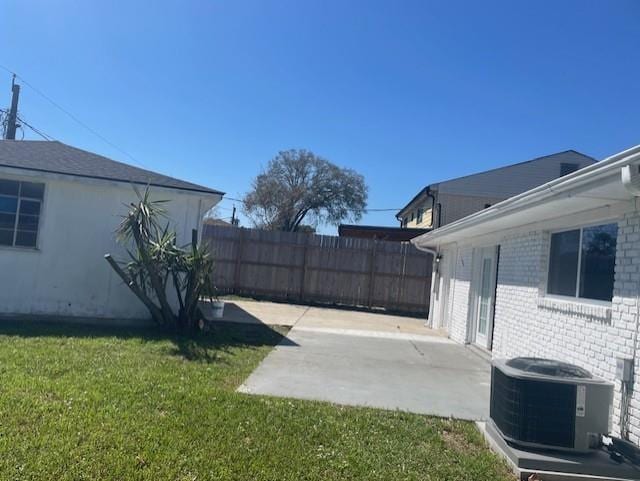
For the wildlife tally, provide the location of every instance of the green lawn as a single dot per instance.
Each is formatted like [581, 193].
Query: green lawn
[82, 403]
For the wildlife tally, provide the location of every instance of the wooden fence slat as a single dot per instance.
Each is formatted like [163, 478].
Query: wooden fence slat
[372, 274]
[320, 269]
[240, 244]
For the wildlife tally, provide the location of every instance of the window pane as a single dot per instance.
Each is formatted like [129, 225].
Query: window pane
[28, 222]
[31, 207]
[32, 189]
[598, 261]
[563, 263]
[9, 187]
[6, 237]
[26, 239]
[8, 204]
[7, 221]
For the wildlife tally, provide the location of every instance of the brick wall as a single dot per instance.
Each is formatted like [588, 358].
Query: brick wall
[529, 324]
[459, 295]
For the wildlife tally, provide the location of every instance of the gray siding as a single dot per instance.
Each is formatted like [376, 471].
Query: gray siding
[514, 179]
[456, 207]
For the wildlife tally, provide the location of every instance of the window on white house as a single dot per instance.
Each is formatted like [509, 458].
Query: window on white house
[20, 205]
[582, 262]
[420, 212]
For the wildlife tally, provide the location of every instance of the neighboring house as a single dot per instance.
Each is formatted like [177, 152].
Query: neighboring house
[445, 202]
[396, 234]
[211, 223]
[553, 272]
[216, 222]
[59, 208]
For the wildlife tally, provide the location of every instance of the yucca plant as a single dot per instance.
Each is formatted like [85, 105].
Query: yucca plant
[157, 265]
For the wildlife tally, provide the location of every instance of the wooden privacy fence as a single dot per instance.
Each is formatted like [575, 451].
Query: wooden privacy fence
[308, 268]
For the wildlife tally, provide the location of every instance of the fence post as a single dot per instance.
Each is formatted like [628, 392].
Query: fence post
[304, 267]
[372, 273]
[401, 278]
[236, 276]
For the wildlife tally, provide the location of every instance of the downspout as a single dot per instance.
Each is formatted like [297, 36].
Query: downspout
[434, 224]
[435, 273]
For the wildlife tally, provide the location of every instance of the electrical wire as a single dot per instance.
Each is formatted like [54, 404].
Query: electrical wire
[390, 209]
[73, 117]
[37, 131]
[107, 141]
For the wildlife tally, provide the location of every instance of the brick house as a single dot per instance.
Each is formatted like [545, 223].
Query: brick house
[553, 272]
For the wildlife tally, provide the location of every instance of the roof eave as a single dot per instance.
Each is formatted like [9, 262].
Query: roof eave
[423, 191]
[110, 179]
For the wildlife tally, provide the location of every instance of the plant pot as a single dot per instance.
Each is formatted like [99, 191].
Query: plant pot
[218, 309]
[211, 310]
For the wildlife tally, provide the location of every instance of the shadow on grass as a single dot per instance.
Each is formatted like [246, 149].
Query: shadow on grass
[196, 346]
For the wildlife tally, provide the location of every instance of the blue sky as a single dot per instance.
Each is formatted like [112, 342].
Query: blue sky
[405, 92]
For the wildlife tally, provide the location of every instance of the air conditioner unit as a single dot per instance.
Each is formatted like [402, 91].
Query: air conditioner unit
[546, 404]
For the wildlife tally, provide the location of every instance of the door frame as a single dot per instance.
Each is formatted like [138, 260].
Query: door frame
[478, 257]
[441, 292]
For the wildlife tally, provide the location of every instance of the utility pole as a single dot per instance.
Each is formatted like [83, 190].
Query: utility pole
[234, 221]
[12, 119]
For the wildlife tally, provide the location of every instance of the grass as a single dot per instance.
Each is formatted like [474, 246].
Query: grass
[84, 403]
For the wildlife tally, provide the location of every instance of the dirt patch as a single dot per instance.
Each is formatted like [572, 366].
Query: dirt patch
[460, 442]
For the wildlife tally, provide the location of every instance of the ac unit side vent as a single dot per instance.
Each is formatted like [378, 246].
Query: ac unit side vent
[533, 411]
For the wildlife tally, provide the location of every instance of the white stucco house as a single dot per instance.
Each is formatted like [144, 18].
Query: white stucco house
[553, 272]
[59, 208]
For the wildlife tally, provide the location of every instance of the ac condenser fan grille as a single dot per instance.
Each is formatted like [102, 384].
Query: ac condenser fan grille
[533, 411]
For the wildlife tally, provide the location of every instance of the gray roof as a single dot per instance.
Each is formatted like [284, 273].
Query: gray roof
[59, 158]
[510, 180]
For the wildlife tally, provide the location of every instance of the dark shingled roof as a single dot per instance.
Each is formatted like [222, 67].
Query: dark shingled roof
[59, 158]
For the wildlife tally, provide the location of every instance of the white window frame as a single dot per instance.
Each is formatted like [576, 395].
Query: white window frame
[576, 297]
[13, 245]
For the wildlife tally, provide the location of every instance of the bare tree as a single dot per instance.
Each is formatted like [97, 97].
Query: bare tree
[298, 186]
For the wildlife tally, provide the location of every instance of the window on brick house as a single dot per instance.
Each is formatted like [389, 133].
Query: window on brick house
[20, 204]
[582, 262]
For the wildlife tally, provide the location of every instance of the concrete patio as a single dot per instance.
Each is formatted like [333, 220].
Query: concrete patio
[367, 359]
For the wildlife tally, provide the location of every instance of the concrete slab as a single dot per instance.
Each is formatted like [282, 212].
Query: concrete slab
[327, 318]
[558, 466]
[257, 312]
[431, 375]
[324, 319]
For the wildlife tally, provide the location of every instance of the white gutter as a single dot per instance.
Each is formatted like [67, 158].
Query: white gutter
[580, 178]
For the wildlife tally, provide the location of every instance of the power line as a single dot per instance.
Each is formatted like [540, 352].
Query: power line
[73, 117]
[37, 131]
[389, 209]
[42, 134]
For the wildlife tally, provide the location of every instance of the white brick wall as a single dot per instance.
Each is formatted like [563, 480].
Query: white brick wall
[459, 296]
[527, 323]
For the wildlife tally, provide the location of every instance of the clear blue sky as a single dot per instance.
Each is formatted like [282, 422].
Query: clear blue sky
[405, 92]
